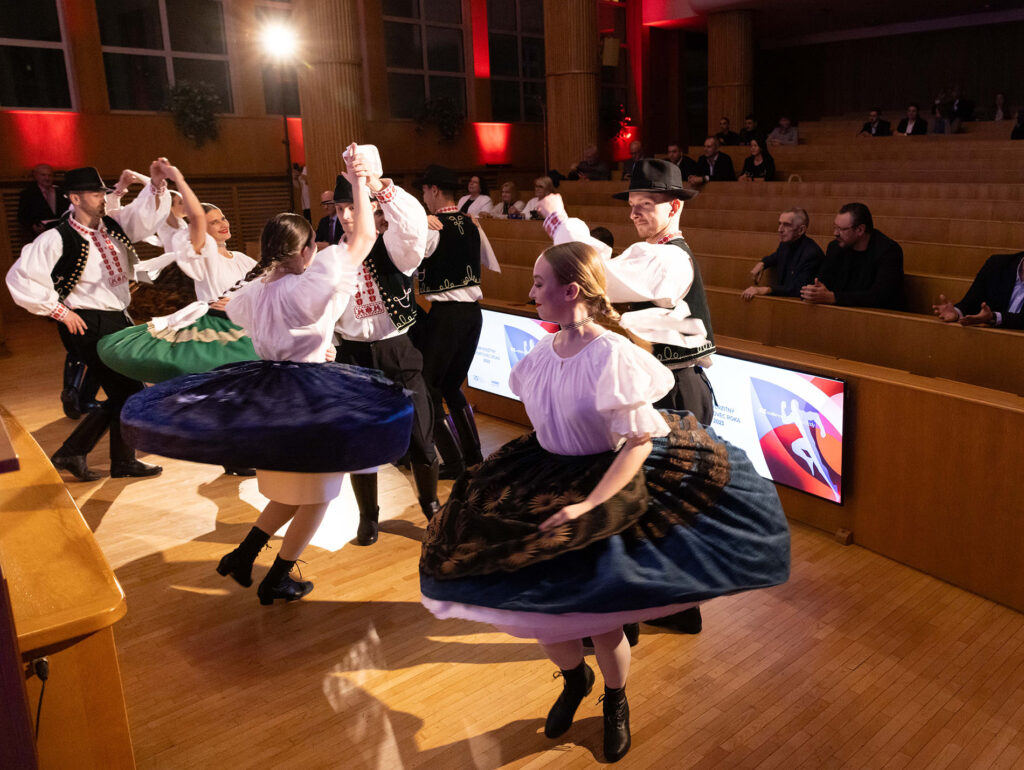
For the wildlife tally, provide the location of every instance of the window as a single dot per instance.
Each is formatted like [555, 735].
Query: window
[151, 45]
[425, 54]
[33, 58]
[516, 41]
[280, 80]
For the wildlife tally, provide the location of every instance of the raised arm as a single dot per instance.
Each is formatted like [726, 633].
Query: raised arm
[364, 234]
[562, 228]
[193, 209]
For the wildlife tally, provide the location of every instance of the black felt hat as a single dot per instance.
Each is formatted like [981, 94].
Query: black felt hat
[444, 178]
[342, 190]
[84, 180]
[657, 176]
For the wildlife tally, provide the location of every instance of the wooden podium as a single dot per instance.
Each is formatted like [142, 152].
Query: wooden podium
[64, 600]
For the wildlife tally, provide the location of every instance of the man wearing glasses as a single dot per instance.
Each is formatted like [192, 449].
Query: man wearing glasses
[328, 229]
[862, 267]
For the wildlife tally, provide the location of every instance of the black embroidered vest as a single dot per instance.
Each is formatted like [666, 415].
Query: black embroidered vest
[455, 264]
[75, 253]
[395, 287]
[697, 301]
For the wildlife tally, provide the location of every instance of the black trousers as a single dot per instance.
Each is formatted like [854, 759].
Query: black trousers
[118, 388]
[448, 338]
[692, 393]
[399, 360]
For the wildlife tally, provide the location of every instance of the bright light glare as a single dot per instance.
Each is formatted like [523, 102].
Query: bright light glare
[279, 41]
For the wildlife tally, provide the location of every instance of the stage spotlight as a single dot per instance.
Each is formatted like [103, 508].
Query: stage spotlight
[279, 41]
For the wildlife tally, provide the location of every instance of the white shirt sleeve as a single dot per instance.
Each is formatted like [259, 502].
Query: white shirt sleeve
[487, 256]
[141, 217]
[406, 236]
[562, 229]
[433, 238]
[648, 272]
[307, 298]
[29, 278]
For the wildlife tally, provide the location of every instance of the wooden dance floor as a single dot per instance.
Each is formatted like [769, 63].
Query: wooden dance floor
[856, 662]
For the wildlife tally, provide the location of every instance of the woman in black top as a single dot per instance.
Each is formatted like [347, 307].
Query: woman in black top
[759, 165]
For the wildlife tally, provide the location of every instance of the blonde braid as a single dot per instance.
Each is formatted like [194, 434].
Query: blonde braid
[607, 316]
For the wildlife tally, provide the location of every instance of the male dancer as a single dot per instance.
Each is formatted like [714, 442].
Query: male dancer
[657, 286]
[450, 281]
[77, 273]
[373, 331]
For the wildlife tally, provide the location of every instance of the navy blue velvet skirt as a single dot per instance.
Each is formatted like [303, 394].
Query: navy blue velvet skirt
[697, 523]
[274, 415]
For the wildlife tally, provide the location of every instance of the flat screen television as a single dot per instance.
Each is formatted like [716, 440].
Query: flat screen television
[790, 423]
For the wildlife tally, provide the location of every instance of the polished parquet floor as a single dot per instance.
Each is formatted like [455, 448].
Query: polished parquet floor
[856, 662]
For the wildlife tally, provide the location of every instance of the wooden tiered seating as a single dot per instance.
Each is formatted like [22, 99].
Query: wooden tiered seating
[920, 392]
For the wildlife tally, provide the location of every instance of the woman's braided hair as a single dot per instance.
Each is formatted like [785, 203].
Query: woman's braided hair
[284, 237]
[579, 263]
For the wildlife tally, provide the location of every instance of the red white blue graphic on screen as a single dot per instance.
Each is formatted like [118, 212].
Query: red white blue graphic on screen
[789, 423]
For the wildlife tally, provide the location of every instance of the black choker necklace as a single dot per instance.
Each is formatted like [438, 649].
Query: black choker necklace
[577, 325]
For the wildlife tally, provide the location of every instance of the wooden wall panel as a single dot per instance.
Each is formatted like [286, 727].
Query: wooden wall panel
[730, 67]
[854, 76]
[570, 49]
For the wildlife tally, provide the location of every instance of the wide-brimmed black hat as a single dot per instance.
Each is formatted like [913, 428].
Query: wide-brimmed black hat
[442, 177]
[342, 190]
[84, 180]
[657, 176]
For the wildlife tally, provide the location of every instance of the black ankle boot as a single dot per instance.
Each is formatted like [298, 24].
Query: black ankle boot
[469, 439]
[239, 562]
[616, 724]
[71, 396]
[576, 685]
[425, 478]
[447, 443]
[279, 585]
[364, 487]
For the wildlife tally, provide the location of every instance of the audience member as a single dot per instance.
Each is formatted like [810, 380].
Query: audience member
[328, 229]
[713, 165]
[912, 125]
[750, 132]
[508, 206]
[300, 179]
[542, 187]
[942, 108]
[759, 165]
[604, 235]
[875, 126]
[1018, 127]
[725, 136]
[862, 266]
[999, 107]
[796, 261]
[591, 167]
[40, 204]
[636, 152]
[784, 134]
[687, 166]
[962, 111]
[478, 200]
[996, 298]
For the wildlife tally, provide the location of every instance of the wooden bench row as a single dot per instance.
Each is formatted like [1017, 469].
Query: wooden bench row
[997, 236]
[599, 192]
[918, 257]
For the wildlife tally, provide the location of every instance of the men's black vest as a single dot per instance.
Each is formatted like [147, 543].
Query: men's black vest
[75, 253]
[455, 264]
[395, 287]
[697, 301]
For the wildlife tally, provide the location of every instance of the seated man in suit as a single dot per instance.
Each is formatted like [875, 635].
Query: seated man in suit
[862, 266]
[713, 165]
[726, 136]
[912, 125]
[687, 166]
[996, 298]
[796, 261]
[328, 229]
[875, 126]
[750, 131]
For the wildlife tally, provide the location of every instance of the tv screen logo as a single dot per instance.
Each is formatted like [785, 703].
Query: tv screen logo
[518, 343]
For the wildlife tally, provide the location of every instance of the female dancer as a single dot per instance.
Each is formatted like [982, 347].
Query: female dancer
[612, 513]
[199, 336]
[289, 309]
